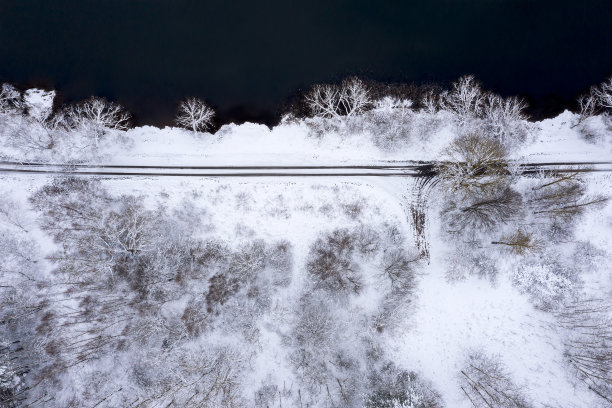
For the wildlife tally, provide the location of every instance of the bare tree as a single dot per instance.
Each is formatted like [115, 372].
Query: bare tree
[475, 165]
[587, 107]
[519, 242]
[194, 114]
[604, 94]
[324, 101]
[465, 100]
[397, 266]
[483, 213]
[588, 346]
[486, 384]
[331, 263]
[350, 98]
[99, 116]
[563, 198]
[354, 97]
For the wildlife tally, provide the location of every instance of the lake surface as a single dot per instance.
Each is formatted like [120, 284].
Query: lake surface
[249, 58]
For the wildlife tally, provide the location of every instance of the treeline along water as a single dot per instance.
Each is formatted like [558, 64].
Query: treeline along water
[249, 58]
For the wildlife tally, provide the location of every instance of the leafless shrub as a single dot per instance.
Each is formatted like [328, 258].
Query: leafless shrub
[430, 102]
[587, 105]
[194, 318]
[271, 395]
[390, 122]
[392, 236]
[280, 260]
[249, 260]
[331, 263]
[221, 288]
[353, 209]
[12, 381]
[486, 384]
[475, 110]
[205, 375]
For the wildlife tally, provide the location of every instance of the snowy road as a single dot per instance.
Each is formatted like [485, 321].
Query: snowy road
[405, 169]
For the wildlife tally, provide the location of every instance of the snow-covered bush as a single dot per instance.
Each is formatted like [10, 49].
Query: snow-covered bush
[504, 120]
[564, 197]
[368, 241]
[485, 382]
[314, 329]
[475, 110]
[547, 281]
[467, 261]
[11, 101]
[390, 122]
[391, 387]
[11, 381]
[33, 129]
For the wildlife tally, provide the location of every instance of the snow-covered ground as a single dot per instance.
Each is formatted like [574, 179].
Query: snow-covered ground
[444, 320]
[551, 140]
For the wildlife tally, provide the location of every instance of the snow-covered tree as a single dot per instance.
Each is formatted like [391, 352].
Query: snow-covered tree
[11, 101]
[465, 100]
[194, 114]
[504, 119]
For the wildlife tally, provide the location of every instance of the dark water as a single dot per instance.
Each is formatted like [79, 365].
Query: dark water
[247, 58]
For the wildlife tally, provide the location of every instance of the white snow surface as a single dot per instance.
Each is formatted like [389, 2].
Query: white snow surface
[448, 319]
[550, 140]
